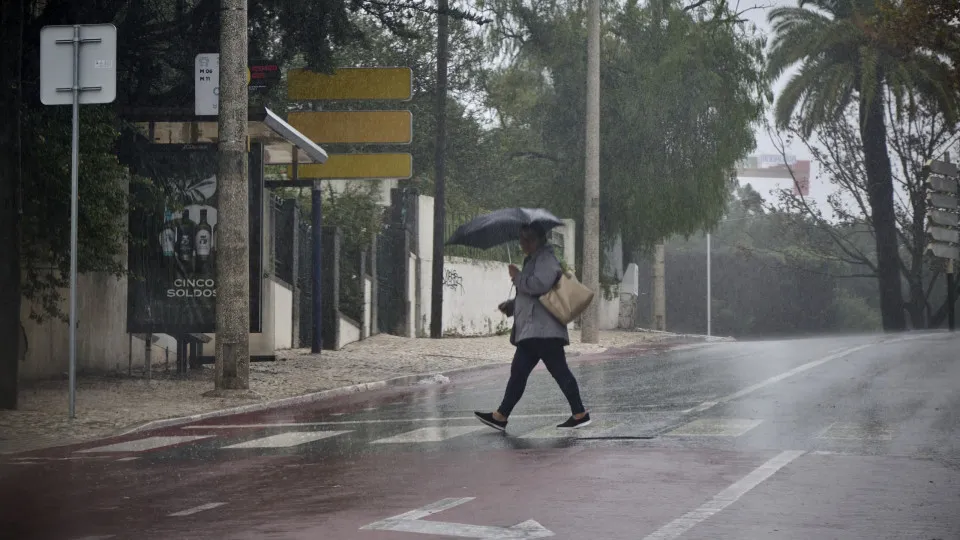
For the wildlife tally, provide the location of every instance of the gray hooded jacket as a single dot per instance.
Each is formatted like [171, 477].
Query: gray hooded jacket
[540, 273]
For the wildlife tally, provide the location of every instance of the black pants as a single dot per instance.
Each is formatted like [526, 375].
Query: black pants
[529, 353]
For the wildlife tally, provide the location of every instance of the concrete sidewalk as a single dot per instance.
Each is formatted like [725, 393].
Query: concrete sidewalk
[112, 403]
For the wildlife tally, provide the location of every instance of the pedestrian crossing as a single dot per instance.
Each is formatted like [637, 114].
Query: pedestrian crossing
[297, 437]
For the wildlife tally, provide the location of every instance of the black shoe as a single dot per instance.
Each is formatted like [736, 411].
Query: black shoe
[488, 419]
[573, 423]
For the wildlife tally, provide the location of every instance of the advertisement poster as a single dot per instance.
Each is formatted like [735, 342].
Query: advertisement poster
[173, 246]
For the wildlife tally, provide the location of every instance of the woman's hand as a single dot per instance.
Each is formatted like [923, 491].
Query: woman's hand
[514, 271]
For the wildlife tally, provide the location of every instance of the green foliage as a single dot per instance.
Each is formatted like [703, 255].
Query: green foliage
[840, 58]
[855, 314]
[679, 97]
[103, 202]
[357, 212]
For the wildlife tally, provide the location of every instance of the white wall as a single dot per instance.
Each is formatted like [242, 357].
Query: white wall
[424, 295]
[609, 309]
[348, 333]
[282, 315]
[470, 299]
[102, 341]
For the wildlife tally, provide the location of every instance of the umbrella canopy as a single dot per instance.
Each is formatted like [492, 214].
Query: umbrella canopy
[500, 227]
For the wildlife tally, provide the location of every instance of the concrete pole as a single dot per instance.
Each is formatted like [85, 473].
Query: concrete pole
[233, 264]
[659, 289]
[439, 201]
[709, 291]
[590, 330]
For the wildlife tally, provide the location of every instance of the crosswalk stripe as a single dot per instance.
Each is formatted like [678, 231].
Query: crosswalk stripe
[428, 434]
[196, 509]
[716, 427]
[288, 439]
[142, 445]
[552, 432]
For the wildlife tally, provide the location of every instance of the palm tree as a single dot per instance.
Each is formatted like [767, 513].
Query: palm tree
[843, 58]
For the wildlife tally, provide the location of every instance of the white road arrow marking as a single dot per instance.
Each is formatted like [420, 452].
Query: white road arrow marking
[412, 522]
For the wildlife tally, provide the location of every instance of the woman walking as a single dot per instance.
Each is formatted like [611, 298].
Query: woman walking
[536, 334]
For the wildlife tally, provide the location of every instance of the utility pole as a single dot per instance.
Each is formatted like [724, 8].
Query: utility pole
[709, 291]
[233, 266]
[439, 199]
[659, 288]
[590, 325]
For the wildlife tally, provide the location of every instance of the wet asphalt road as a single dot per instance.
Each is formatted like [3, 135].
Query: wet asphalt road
[838, 438]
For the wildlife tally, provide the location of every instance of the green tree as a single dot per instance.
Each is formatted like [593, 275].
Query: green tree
[841, 61]
[680, 93]
[158, 43]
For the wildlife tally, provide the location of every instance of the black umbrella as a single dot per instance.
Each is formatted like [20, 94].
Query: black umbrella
[500, 227]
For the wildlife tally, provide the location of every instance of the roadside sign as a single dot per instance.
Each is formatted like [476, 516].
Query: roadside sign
[98, 64]
[78, 66]
[387, 83]
[944, 168]
[941, 234]
[358, 167]
[942, 201]
[941, 184]
[260, 75]
[942, 218]
[944, 251]
[207, 90]
[355, 127]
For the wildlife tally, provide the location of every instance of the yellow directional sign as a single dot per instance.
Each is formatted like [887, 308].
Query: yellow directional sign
[354, 127]
[351, 84]
[358, 167]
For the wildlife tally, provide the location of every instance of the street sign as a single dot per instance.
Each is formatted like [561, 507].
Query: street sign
[941, 234]
[413, 522]
[355, 127]
[78, 66]
[262, 74]
[944, 251]
[942, 167]
[97, 67]
[942, 201]
[942, 218]
[393, 83]
[358, 167]
[207, 89]
[941, 184]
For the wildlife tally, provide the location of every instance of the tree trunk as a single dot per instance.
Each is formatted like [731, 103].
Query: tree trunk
[233, 266]
[11, 21]
[590, 320]
[880, 195]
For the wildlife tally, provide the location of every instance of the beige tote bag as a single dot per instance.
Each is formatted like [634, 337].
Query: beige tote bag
[567, 299]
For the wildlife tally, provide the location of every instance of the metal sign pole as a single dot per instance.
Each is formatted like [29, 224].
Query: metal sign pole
[74, 188]
[100, 68]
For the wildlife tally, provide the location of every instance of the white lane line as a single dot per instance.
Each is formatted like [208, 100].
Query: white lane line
[288, 439]
[196, 509]
[128, 459]
[102, 537]
[428, 434]
[777, 378]
[725, 498]
[142, 445]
